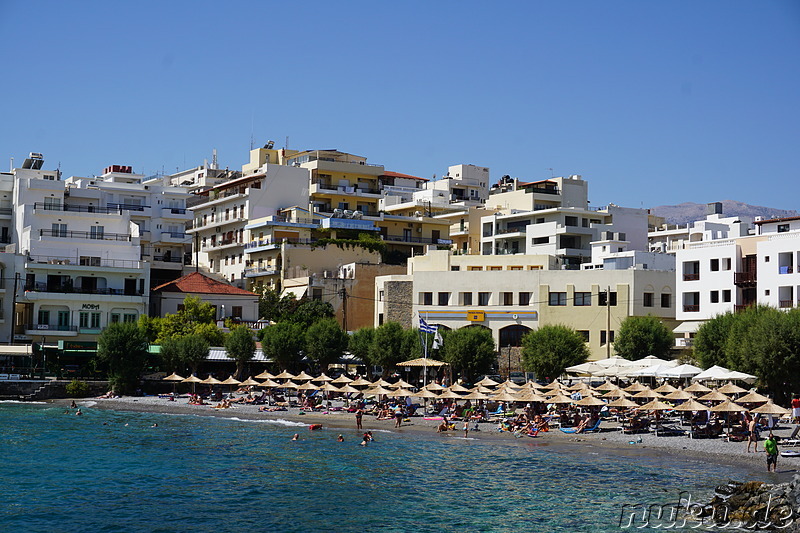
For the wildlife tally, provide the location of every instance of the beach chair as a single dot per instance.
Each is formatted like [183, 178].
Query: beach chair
[592, 429]
[792, 439]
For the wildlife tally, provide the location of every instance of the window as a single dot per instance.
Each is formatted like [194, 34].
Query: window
[603, 337]
[89, 261]
[766, 259]
[59, 230]
[483, 298]
[783, 228]
[508, 298]
[454, 268]
[714, 265]
[114, 318]
[475, 269]
[540, 240]
[583, 298]
[63, 318]
[236, 311]
[666, 300]
[444, 298]
[524, 298]
[83, 319]
[380, 296]
[714, 297]
[495, 268]
[647, 299]
[240, 258]
[515, 268]
[96, 232]
[583, 333]
[605, 298]
[726, 295]
[558, 298]
[44, 316]
[534, 267]
[95, 320]
[426, 298]
[726, 263]
[466, 298]
[52, 204]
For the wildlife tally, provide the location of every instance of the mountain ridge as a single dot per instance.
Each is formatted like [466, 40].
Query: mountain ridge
[687, 212]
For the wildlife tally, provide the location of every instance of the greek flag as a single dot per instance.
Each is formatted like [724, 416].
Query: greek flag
[425, 328]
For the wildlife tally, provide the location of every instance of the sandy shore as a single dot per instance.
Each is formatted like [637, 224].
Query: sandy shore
[610, 441]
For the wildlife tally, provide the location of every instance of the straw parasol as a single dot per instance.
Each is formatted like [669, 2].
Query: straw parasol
[434, 387]
[361, 382]
[289, 385]
[307, 386]
[590, 401]
[713, 396]
[647, 393]
[302, 376]
[265, 375]
[482, 389]
[231, 381]
[679, 395]
[728, 407]
[377, 391]
[656, 405]
[752, 397]
[560, 398]
[623, 403]
[635, 387]
[330, 387]
[401, 385]
[269, 384]
[211, 380]
[504, 396]
[173, 377]
[606, 386]
[697, 388]
[730, 388]
[448, 394]
[400, 393]
[692, 405]
[530, 396]
[422, 361]
[193, 380]
[616, 393]
[381, 383]
[455, 387]
[322, 377]
[487, 382]
[347, 389]
[578, 387]
[552, 386]
[665, 389]
[770, 408]
[475, 395]
[342, 379]
[426, 394]
[283, 375]
[510, 384]
[250, 382]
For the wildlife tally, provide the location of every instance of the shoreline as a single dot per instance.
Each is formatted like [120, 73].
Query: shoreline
[610, 442]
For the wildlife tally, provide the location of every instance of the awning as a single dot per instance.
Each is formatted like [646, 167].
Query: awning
[690, 326]
[298, 291]
[219, 354]
[15, 350]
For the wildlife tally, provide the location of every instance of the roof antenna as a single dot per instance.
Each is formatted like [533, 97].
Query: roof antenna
[252, 127]
[551, 173]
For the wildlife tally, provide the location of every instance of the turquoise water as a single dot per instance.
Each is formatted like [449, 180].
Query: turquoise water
[67, 473]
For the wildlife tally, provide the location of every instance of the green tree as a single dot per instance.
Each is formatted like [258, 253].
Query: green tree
[548, 350]
[283, 343]
[360, 343]
[640, 336]
[310, 311]
[390, 346]
[194, 317]
[710, 340]
[193, 350]
[240, 346]
[469, 349]
[123, 348]
[274, 307]
[170, 355]
[325, 342]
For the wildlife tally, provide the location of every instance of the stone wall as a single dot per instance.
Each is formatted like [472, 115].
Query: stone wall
[398, 297]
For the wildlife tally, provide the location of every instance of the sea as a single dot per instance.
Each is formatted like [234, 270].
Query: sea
[110, 471]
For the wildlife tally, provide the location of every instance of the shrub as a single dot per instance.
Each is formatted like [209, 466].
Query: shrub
[77, 389]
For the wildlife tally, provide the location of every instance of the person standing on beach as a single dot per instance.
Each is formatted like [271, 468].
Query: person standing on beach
[359, 416]
[771, 448]
[466, 428]
[752, 434]
[796, 408]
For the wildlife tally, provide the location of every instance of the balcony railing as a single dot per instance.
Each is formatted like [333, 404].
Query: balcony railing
[176, 210]
[78, 208]
[744, 278]
[786, 269]
[174, 235]
[263, 271]
[84, 235]
[69, 289]
[167, 259]
[5, 211]
[415, 240]
[50, 327]
[691, 308]
[128, 207]
[691, 277]
[783, 304]
[502, 231]
[277, 242]
[84, 261]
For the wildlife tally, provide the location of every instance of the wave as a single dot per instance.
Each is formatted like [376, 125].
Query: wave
[88, 404]
[22, 401]
[277, 421]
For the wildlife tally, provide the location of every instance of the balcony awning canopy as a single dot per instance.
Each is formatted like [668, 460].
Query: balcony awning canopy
[690, 326]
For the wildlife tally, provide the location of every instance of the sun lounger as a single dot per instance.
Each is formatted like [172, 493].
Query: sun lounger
[595, 427]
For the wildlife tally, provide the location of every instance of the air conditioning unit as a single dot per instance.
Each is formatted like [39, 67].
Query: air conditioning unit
[419, 230]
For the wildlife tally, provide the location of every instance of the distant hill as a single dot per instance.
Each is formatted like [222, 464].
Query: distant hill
[690, 211]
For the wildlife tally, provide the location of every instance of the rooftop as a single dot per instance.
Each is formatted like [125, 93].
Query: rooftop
[201, 284]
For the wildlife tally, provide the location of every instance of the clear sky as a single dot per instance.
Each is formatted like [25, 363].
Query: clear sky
[652, 102]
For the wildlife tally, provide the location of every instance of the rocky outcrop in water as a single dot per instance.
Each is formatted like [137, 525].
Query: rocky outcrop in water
[754, 505]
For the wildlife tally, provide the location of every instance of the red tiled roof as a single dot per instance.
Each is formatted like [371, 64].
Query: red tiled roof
[769, 220]
[399, 175]
[198, 283]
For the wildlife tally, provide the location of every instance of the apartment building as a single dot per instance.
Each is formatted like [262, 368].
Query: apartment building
[511, 295]
[669, 238]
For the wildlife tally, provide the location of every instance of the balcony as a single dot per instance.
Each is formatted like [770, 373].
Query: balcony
[85, 235]
[217, 221]
[5, 211]
[415, 240]
[691, 277]
[684, 343]
[70, 289]
[225, 243]
[785, 304]
[744, 278]
[171, 236]
[268, 244]
[691, 308]
[255, 272]
[47, 330]
[38, 261]
[786, 269]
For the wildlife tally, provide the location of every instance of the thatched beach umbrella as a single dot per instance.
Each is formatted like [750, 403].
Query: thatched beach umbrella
[173, 377]
[730, 388]
[636, 387]
[451, 395]
[530, 396]
[697, 388]
[330, 387]
[510, 384]
[714, 396]
[578, 387]
[342, 379]
[606, 386]
[434, 387]
[250, 382]
[770, 408]
[487, 382]
[347, 389]
[559, 399]
[270, 384]
[475, 395]
[504, 396]
[401, 385]
[230, 381]
[666, 388]
[590, 401]
[302, 376]
[265, 375]
[555, 385]
[361, 382]
[381, 383]
[616, 393]
[377, 391]
[679, 395]
[752, 397]
[692, 405]
[193, 380]
[321, 378]
[425, 394]
[623, 403]
[307, 386]
[455, 387]
[648, 394]
[728, 407]
[211, 380]
[400, 393]
[283, 375]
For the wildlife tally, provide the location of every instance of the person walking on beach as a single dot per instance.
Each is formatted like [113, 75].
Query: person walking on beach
[466, 428]
[752, 434]
[359, 416]
[796, 409]
[398, 416]
[771, 448]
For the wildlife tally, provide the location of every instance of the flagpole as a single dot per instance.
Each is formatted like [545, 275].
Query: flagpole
[425, 366]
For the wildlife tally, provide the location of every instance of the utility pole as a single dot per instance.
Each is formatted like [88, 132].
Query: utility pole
[608, 322]
[343, 294]
[197, 252]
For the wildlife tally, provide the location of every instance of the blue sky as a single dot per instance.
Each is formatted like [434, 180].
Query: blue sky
[652, 102]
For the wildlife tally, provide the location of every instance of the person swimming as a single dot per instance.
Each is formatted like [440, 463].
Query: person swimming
[340, 438]
[296, 436]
